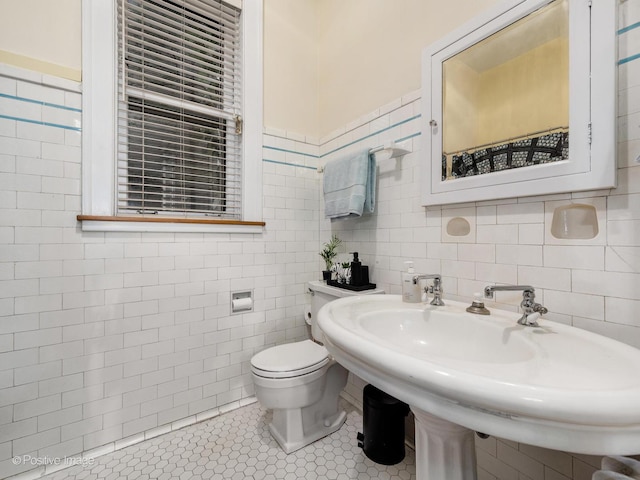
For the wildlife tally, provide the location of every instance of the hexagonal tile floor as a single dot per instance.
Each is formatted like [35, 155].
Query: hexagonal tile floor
[238, 445]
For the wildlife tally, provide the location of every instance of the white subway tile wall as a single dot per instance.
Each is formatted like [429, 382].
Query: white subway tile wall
[108, 338]
[593, 284]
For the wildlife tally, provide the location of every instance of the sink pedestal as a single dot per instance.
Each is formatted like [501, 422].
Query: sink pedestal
[444, 450]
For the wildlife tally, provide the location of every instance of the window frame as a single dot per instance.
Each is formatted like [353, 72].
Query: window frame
[99, 114]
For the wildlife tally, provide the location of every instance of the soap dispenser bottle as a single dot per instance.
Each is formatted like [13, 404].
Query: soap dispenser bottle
[410, 290]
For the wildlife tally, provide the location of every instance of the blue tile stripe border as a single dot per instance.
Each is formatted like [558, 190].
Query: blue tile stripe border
[39, 102]
[44, 104]
[297, 165]
[402, 122]
[622, 31]
[628, 28]
[397, 140]
[40, 122]
[277, 149]
[622, 61]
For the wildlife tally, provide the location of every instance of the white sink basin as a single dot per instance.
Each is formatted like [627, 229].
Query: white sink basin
[427, 333]
[553, 386]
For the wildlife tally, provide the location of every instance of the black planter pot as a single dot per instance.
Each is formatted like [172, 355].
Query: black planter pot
[326, 275]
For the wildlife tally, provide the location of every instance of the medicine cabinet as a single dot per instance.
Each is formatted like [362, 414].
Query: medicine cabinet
[521, 101]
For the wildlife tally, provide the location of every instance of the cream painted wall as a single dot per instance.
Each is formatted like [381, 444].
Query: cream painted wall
[370, 50]
[460, 115]
[327, 62]
[45, 36]
[42, 35]
[475, 101]
[291, 80]
[529, 82]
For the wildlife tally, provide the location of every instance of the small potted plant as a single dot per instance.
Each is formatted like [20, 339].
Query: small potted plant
[328, 253]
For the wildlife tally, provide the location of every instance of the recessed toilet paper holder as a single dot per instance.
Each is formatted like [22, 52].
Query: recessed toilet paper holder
[241, 302]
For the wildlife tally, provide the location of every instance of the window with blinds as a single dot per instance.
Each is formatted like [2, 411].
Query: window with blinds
[179, 104]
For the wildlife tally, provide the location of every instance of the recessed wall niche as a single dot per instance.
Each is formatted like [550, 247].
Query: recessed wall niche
[576, 222]
[459, 225]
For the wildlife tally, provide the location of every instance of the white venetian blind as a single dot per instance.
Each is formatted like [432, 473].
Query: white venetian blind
[179, 101]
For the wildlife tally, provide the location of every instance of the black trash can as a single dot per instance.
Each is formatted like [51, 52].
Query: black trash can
[382, 439]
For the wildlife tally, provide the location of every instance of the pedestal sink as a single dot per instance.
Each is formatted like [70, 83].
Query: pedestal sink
[553, 386]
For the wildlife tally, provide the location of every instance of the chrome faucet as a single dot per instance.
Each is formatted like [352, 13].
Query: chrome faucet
[436, 288]
[531, 310]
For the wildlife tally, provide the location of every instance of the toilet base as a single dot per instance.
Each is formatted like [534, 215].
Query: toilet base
[289, 424]
[306, 407]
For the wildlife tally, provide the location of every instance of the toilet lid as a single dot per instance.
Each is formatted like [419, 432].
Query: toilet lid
[291, 359]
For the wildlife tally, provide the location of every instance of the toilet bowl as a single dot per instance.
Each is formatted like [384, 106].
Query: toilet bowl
[301, 383]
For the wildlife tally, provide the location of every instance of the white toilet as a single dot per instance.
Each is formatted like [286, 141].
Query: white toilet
[301, 382]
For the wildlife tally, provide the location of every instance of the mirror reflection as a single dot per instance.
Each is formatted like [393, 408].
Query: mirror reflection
[506, 98]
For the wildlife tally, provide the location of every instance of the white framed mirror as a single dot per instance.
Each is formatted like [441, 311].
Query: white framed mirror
[521, 101]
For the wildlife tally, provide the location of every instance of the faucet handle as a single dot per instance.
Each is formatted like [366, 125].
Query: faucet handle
[530, 320]
[531, 314]
[437, 291]
[540, 309]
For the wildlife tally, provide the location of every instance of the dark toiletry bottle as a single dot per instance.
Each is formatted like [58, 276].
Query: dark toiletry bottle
[356, 270]
[364, 275]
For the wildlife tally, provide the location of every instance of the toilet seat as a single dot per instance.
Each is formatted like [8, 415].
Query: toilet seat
[290, 360]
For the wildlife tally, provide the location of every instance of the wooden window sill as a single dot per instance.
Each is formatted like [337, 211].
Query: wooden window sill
[106, 223]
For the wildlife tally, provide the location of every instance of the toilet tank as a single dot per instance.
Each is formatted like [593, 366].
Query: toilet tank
[321, 293]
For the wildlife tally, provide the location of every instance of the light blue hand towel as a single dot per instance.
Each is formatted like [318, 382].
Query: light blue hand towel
[349, 186]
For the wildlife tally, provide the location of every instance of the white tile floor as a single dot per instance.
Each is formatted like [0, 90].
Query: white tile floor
[238, 445]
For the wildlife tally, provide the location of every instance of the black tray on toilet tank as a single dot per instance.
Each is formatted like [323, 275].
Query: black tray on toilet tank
[355, 288]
